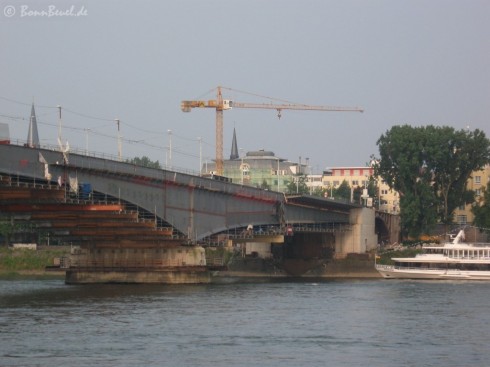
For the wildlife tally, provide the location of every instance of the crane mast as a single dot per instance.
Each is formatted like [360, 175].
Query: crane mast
[221, 104]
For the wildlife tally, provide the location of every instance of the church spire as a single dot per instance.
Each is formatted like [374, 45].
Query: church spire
[234, 147]
[32, 135]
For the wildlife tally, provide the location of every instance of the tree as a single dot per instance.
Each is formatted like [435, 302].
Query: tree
[297, 186]
[429, 167]
[6, 229]
[372, 192]
[9, 229]
[320, 192]
[357, 195]
[482, 211]
[264, 185]
[451, 157]
[145, 162]
[343, 191]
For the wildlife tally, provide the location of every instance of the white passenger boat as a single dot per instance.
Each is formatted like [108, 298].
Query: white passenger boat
[452, 260]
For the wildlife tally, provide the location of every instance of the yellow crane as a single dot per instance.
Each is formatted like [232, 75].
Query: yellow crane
[221, 104]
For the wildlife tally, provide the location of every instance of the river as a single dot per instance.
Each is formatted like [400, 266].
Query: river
[309, 323]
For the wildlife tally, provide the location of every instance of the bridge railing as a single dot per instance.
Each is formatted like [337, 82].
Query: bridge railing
[101, 155]
[244, 233]
[108, 163]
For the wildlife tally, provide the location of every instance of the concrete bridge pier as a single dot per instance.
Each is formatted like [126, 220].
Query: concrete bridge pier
[362, 238]
[156, 264]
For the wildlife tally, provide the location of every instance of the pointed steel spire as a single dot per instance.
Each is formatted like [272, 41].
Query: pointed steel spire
[33, 136]
[234, 147]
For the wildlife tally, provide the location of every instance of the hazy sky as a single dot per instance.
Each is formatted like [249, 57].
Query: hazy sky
[417, 62]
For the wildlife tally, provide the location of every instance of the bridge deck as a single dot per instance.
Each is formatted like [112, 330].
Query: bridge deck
[196, 207]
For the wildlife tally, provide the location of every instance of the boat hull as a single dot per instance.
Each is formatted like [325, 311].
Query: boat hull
[390, 272]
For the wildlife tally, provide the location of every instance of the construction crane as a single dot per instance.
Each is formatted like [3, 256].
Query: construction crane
[221, 105]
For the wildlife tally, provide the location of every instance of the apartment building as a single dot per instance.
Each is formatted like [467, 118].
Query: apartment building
[478, 181]
[355, 177]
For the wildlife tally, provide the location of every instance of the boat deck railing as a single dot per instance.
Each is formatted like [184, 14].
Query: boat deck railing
[397, 267]
[454, 245]
[384, 267]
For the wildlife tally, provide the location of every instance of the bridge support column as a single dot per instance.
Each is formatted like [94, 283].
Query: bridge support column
[175, 265]
[361, 238]
[161, 276]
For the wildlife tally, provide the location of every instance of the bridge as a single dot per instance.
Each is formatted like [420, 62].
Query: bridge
[173, 209]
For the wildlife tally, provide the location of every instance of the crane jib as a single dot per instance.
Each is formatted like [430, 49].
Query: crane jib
[220, 104]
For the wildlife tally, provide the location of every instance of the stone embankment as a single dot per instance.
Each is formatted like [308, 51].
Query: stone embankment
[30, 263]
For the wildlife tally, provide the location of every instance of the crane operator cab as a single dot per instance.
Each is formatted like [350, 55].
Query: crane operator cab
[227, 104]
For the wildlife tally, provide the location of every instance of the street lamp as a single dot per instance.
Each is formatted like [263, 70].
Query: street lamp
[169, 148]
[365, 194]
[278, 160]
[119, 144]
[200, 154]
[59, 127]
[86, 140]
[241, 166]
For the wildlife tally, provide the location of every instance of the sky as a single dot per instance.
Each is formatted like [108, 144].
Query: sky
[412, 62]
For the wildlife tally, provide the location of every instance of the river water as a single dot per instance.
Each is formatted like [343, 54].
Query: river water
[325, 323]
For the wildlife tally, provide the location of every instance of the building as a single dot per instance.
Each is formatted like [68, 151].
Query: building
[4, 133]
[356, 177]
[389, 200]
[259, 168]
[33, 135]
[477, 182]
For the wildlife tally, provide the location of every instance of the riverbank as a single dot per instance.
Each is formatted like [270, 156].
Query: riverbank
[25, 263]
[32, 264]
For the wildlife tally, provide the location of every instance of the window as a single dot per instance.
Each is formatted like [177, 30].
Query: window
[461, 219]
[478, 180]
[478, 192]
[336, 183]
[355, 183]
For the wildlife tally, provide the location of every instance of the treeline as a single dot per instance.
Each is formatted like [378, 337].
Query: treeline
[429, 167]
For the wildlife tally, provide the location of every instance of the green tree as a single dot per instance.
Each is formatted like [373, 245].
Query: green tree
[482, 211]
[7, 227]
[429, 167]
[145, 162]
[357, 194]
[372, 192]
[297, 186]
[451, 157]
[264, 185]
[11, 230]
[343, 191]
[320, 191]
